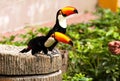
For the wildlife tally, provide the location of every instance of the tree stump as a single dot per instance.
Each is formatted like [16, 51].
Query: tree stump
[15, 66]
[64, 54]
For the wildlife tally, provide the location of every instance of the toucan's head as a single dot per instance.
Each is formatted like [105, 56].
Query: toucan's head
[60, 37]
[63, 13]
[66, 11]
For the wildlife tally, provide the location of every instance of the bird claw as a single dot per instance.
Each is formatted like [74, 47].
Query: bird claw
[54, 51]
[37, 57]
[57, 51]
[51, 57]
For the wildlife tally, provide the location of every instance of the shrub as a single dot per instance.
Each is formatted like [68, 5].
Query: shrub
[76, 77]
[90, 54]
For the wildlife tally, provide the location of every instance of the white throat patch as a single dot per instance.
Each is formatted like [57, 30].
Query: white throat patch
[49, 42]
[62, 21]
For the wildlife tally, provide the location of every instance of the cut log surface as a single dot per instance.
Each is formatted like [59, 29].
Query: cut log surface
[14, 63]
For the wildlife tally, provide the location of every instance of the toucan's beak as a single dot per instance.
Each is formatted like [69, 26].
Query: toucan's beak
[60, 37]
[69, 10]
[70, 43]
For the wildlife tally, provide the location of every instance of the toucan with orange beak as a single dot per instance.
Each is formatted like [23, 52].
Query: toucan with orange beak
[61, 24]
[40, 43]
[45, 43]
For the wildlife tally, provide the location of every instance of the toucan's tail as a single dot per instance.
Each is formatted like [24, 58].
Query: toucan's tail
[25, 50]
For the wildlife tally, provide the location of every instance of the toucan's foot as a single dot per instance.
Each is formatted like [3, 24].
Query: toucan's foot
[50, 52]
[54, 51]
[37, 57]
[51, 57]
[35, 53]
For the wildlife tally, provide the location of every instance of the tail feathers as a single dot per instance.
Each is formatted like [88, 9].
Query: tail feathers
[25, 50]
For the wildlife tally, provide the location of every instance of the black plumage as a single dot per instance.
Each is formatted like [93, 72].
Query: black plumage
[37, 45]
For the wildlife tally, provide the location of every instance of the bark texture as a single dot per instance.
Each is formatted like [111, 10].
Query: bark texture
[15, 66]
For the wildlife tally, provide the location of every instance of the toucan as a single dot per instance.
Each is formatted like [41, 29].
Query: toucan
[40, 43]
[61, 25]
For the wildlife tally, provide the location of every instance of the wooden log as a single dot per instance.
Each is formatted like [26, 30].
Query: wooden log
[27, 67]
[47, 77]
[64, 54]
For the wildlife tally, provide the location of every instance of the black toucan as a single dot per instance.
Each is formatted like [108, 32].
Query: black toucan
[40, 43]
[61, 24]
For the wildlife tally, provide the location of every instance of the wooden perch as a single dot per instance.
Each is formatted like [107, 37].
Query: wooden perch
[15, 66]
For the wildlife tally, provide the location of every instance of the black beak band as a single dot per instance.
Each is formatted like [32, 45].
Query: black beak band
[75, 11]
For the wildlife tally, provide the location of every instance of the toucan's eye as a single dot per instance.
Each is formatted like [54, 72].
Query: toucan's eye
[52, 35]
[60, 12]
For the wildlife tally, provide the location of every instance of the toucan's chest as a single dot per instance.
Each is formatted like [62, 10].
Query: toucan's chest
[61, 20]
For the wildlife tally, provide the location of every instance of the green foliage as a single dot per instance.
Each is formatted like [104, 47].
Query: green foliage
[89, 57]
[76, 77]
[90, 54]
[24, 38]
[7, 40]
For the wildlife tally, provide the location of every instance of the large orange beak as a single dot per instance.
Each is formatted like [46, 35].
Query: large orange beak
[69, 10]
[60, 37]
